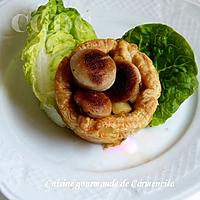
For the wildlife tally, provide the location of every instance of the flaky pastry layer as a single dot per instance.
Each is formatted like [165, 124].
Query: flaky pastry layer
[114, 128]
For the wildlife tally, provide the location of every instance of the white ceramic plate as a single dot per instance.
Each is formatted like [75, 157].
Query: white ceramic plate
[34, 152]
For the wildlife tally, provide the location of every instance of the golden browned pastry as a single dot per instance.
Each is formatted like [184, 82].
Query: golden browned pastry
[115, 127]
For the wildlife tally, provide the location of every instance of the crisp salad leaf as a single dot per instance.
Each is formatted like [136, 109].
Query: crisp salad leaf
[53, 32]
[174, 61]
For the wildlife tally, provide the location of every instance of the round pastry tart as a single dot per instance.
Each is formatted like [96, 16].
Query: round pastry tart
[106, 90]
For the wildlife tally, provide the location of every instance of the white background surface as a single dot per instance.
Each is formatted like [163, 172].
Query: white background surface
[195, 196]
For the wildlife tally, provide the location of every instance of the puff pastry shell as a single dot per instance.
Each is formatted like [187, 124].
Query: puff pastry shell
[114, 128]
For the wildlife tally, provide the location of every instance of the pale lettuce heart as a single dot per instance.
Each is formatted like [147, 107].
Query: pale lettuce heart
[53, 33]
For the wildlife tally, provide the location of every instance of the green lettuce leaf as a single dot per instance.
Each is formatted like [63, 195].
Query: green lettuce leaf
[174, 61]
[53, 32]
